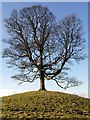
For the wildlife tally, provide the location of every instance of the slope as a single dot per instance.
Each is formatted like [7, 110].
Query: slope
[45, 105]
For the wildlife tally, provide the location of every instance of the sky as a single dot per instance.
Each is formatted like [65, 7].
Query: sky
[88, 50]
[60, 10]
[44, 0]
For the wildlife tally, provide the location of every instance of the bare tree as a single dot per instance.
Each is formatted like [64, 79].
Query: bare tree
[42, 48]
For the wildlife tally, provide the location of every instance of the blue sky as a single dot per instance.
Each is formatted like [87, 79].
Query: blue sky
[45, 0]
[60, 10]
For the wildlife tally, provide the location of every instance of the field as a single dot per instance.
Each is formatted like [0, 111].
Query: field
[45, 105]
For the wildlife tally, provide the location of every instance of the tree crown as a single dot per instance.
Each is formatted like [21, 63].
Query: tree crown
[42, 48]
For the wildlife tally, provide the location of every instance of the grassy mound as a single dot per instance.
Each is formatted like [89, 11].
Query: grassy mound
[45, 105]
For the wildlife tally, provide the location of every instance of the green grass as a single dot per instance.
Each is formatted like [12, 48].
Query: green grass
[45, 105]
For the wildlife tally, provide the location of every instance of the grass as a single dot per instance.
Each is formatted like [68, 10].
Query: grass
[45, 105]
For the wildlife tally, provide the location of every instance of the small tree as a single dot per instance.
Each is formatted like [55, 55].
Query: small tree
[42, 48]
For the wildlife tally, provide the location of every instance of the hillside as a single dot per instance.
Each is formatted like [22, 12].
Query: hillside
[44, 105]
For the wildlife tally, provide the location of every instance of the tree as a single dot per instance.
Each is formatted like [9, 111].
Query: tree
[39, 47]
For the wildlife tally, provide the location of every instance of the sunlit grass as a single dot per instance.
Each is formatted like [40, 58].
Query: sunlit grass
[45, 104]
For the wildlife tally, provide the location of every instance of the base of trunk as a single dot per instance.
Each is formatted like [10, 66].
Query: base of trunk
[42, 89]
[42, 84]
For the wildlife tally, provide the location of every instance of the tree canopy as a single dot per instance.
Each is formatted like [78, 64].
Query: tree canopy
[41, 47]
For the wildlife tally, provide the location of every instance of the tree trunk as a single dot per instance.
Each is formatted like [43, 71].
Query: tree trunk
[42, 84]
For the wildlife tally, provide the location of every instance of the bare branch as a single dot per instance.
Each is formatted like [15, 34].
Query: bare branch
[39, 47]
